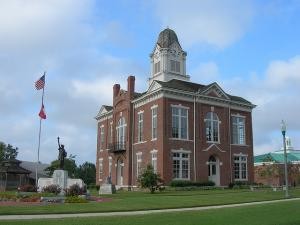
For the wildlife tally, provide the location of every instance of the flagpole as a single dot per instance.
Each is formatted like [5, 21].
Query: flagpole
[39, 144]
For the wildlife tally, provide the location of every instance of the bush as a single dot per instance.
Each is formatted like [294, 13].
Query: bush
[149, 179]
[238, 185]
[75, 190]
[27, 188]
[75, 199]
[53, 188]
[187, 183]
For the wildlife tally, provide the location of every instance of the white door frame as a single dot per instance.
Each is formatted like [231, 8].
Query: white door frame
[120, 172]
[214, 170]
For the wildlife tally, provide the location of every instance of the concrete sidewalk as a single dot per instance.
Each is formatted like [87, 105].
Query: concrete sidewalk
[132, 213]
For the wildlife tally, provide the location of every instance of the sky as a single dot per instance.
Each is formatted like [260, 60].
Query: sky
[250, 48]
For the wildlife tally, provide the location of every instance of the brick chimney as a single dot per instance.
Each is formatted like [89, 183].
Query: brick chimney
[116, 90]
[130, 86]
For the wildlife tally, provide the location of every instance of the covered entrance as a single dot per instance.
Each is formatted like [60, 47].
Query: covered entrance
[214, 170]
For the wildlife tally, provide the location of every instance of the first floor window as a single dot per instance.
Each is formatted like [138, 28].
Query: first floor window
[240, 167]
[109, 165]
[181, 165]
[100, 168]
[138, 164]
[154, 161]
[238, 130]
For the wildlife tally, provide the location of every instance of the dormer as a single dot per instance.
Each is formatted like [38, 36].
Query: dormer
[168, 60]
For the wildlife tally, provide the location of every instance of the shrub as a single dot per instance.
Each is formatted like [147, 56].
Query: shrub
[75, 190]
[75, 199]
[27, 188]
[187, 183]
[149, 179]
[53, 188]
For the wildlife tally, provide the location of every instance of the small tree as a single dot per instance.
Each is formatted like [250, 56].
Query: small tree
[149, 179]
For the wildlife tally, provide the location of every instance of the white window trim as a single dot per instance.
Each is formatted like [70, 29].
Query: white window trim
[138, 160]
[187, 122]
[244, 117]
[212, 120]
[152, 108]
[140, 129]
[240, 162]
[181, 159]
[154, 151]
[100, 171]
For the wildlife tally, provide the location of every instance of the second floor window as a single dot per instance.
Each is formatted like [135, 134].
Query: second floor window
[154, 123]
[212, 127]
[238, 130]
[121, 131]
[140, 126]
[179, 122]
[102, 137]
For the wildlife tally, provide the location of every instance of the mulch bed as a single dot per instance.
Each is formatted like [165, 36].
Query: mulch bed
[19, 203]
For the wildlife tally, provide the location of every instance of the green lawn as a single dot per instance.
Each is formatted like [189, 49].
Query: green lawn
[283, 213]
[128, 201]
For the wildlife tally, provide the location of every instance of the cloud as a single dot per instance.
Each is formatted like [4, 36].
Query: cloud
[284, 73]
[207, 71]
[217, 23]
[276, 94]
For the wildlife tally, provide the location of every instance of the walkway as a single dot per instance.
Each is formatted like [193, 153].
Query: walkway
[132, 213]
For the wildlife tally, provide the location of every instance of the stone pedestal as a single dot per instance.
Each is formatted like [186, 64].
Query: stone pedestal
[107, 189]
[60, 178]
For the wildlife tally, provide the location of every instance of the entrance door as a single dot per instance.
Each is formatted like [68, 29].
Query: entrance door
[214, 170]
[120, 166]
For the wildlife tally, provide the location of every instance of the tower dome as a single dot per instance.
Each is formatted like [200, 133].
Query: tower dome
[166, 38]
[168, 59]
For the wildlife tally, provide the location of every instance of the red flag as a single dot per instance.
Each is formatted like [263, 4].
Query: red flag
[42, 113]
[40, 83]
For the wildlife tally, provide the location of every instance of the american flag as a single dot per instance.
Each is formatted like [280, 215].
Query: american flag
[40, 83]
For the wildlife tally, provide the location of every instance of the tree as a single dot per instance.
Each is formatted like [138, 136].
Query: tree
[69, 165]
[7, 152]
[149, 179]
[87, 172]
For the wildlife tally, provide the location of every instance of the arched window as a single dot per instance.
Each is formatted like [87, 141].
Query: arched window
[212, 127]
[121, 131]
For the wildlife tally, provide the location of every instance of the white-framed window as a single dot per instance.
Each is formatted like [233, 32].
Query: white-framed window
[121, 131]
[212, 128]
[154, 122]
[175, 66]
[100, 169]
[109, 165]
[111, 133]
[238, 130]
[154, 160]
[240, 167]
[138, 164]
[179, 122]
[157, 67]
[102, 137]
[181, 165]
[140, 126]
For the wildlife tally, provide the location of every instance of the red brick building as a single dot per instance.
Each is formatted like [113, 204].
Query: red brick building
[185, 130]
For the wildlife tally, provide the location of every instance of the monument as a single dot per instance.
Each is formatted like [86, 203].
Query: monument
[107, 187]
[60, 176]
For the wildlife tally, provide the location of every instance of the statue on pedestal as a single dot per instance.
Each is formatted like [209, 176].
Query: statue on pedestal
[62, 154]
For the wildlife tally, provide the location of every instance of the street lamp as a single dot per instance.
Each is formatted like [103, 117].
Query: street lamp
[283, 131]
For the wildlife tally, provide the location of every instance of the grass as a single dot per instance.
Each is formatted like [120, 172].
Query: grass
[130, 201]
[281, 213]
